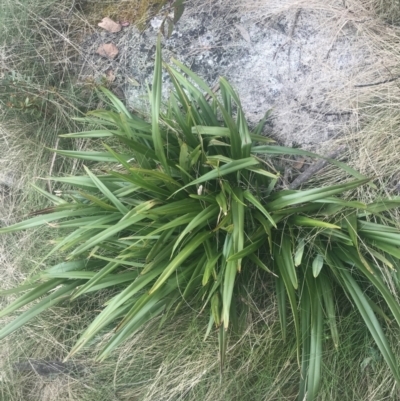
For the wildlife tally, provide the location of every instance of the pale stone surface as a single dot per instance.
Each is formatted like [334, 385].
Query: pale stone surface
[294, 61]
[303, 60]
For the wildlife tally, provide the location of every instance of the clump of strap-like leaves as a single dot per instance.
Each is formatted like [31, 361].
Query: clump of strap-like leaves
[192, 207]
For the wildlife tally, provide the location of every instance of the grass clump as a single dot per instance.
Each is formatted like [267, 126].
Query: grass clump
[193, 208]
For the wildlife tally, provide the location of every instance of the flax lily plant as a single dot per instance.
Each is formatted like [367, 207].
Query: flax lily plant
[188, 214]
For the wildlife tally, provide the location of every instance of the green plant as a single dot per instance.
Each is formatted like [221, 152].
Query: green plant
[168, 23]
[189, 213]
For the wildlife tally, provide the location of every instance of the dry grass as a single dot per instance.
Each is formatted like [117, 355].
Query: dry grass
[133, 11]
[175, 364]
[389, 10]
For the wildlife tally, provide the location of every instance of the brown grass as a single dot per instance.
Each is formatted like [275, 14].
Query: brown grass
[132, 11]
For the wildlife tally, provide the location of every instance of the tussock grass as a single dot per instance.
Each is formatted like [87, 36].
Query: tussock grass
[172, 364]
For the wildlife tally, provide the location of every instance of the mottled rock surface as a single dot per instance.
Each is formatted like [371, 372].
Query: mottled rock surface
[303, 63]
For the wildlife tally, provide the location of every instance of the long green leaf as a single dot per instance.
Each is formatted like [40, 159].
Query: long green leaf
[119, 106]
[281, 301]
[254, 258]
[238, 215]
[155, 102]
[197, 222]
[46, 303]
[252, 199]
[185, 253]
[287, 260]
[309, 222]
[109, 232]
[295, 197]
[248, 250]
[371, 321]
[327, 294]
[31, 296]
[89, 155]
[53, 198]
[229, 275]
[350, 255]
[305, 319]
[111, 308]
[285, 277]
[228, 168]
[47, 218]
[314, 370]
[106, 192]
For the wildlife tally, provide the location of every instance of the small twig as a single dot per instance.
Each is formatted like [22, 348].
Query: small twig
[53, 159]
[377, 83]
[315, 167]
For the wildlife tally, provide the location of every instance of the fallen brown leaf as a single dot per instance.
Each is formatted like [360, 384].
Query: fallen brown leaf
[108, 50]
[109, 25]
[299, 163]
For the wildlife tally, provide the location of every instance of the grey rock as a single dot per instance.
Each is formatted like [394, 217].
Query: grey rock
[297, 61]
